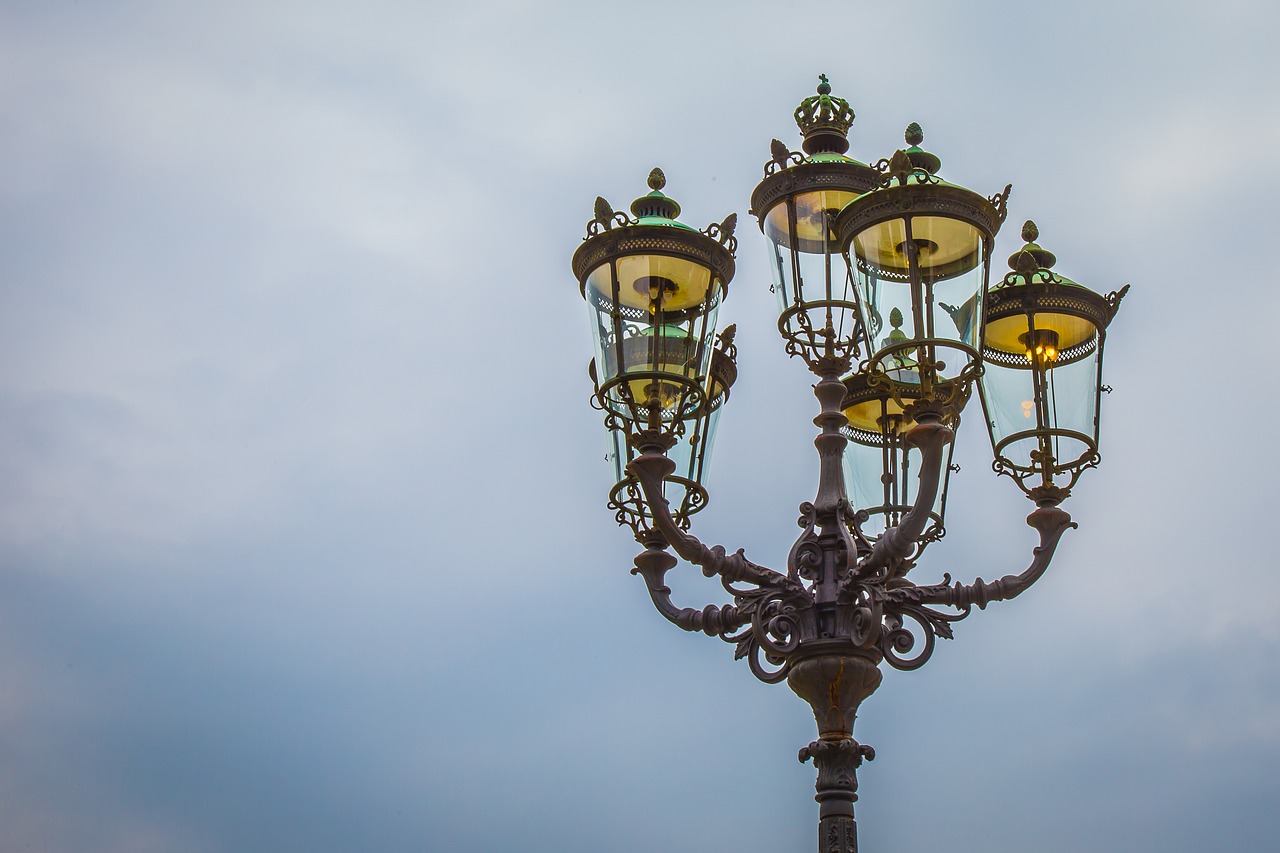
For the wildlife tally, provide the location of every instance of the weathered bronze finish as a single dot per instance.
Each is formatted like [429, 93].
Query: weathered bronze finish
[844, 604]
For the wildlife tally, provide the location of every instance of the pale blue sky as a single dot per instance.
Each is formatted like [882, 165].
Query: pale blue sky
[303, 537]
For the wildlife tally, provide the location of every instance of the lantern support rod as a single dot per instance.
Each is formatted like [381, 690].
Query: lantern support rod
[931, 436]
[832, 494]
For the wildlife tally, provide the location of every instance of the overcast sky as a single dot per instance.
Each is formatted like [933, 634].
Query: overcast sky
[303, 537]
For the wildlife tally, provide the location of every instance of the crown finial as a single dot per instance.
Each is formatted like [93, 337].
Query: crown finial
[824, 120]
[657, 180]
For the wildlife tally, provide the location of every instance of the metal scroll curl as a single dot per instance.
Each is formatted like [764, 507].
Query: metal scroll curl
[606, 218]
[782, 158]
[722, 232]
[774, 633]
[749, 648]
[898, 640]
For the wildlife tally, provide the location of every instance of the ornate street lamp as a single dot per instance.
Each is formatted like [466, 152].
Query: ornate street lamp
[890, 264]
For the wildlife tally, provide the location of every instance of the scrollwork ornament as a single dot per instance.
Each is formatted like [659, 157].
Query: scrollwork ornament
[723, 232]
[782, 158]
[759, 670]
[1114, 297]
[805, 558]
[606, 218]
[725, 342]
[898, 640]
[1001, 202]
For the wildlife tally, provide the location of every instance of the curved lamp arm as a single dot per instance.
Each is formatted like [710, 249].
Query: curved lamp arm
[1050, 521]
[897, 543]
[653, 566]
[649, 468]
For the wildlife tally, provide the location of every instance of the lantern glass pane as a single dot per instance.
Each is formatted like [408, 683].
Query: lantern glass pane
[943, 304]
[679, 283]
[806, 262]
[1052, 392]
[665, 349]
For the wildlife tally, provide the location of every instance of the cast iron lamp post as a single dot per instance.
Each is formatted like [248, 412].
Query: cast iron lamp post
[889, 264]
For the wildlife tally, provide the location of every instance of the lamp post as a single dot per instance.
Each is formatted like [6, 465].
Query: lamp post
[883, 278]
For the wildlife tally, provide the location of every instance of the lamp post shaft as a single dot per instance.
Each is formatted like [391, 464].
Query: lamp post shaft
[830, 392]
[837, 790]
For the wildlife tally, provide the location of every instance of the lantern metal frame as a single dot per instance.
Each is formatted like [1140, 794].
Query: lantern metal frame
[843, 605]
[626, 497]
[1033, 289]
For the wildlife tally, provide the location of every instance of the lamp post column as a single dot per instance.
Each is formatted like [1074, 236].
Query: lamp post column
[837, 790]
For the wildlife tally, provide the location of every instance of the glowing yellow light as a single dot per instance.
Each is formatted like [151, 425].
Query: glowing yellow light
[1026, 408]
[1041, 346]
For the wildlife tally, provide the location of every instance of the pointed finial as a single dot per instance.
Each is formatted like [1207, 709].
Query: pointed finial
[920, 158]
[655, 203]
[1031, 257]
[824, 87]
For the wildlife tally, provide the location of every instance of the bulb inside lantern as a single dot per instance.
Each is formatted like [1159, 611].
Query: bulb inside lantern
[655, 287]
[1041, 346]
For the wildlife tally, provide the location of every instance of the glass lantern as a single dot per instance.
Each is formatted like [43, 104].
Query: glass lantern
[653, 287]
[881, 468]
[683, 488]
[796, 204]
[1043, 347]
[918, 249]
